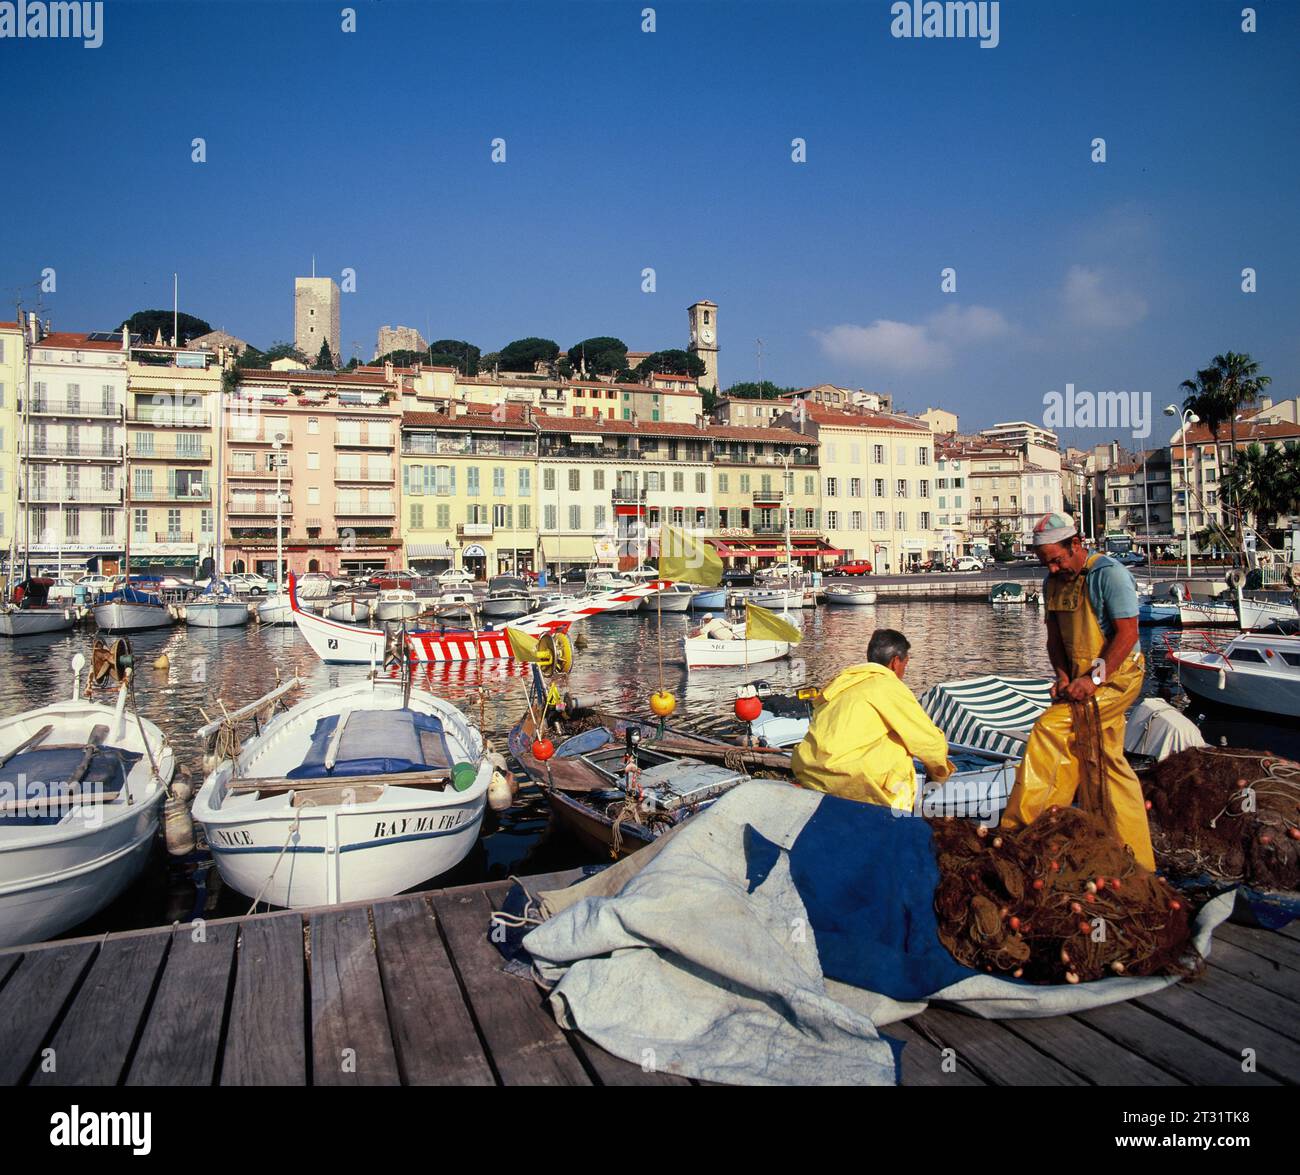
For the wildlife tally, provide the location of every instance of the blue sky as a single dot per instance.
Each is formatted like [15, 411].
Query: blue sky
[672, 150]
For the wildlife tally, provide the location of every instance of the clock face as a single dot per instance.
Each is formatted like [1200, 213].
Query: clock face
[706, 335]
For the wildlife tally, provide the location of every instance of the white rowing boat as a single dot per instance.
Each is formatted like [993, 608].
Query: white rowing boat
[704, 652]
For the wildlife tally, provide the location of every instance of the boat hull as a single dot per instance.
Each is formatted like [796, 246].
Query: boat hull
[275, 610]
[667, 602]
[506, 608]
[1207, 676]
[222, 615]
[132, 617]
[710, 601]
[33, 621]
[862, 599]
[702, 653]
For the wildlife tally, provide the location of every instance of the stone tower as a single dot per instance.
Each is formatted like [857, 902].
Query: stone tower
[316, 316]
[703, 318]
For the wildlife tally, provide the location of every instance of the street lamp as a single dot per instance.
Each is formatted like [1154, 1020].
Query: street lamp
[1187, 416]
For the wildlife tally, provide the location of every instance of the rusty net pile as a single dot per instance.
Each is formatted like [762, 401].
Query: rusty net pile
[1230, 815]
[1058, 901]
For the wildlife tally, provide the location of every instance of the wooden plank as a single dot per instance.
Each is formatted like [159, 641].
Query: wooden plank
[1255, 1003]
[93, 1044]
[1229, 957]
[1168, 1046]
[1274, 947]
[28, 743]
[265, 1039]
[612, 1070]
[998, 1056]
[32, 1001]
[351, 1043]
[923, 1063]
[181, 1042]
[432, 1029]
[278, 786]
[524, 1043]
[1091, 1054]
[1290, 930]
[1228, 1030]
[7, 964]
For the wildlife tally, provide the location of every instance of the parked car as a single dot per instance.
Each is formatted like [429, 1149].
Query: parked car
[574, 575]
[249, 583]
[852, 567]
[455, 577]
[970, 563]
[737, 577]
[95, 583]
[1132, 559]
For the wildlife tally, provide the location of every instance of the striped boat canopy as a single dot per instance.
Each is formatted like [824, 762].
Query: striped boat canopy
[990, 713]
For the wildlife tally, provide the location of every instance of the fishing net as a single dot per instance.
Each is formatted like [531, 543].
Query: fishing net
[1058, 901]
[1231, 815]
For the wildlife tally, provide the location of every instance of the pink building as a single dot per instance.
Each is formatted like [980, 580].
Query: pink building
[338, 434]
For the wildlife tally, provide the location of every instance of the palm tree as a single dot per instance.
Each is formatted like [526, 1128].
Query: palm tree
[1205, 398]
[1265, 483]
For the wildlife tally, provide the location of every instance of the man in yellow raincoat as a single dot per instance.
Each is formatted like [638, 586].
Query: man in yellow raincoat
[1092, 641]
[867, 728]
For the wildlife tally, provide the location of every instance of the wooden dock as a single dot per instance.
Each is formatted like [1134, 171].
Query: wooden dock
[409, 990]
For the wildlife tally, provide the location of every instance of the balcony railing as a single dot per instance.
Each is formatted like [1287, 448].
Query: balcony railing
[474, 530]
[173, 536]
[723, 457]
[255, 436]
[349, 473]
[258, 505]
[356, 441]
[170, 452]
[192, 494]
[83, 409]
[365, 510]
[775, 497]
[170, 416]
[75, 452]
[626, 494]
[231, 471]
[76, 495]
[415, 446]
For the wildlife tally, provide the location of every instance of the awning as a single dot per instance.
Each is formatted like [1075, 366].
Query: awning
[428, 551]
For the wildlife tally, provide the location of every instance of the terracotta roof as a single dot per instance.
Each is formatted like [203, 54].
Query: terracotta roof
[478, 416]
[265, 375]
[663, 428]
[1247, 431]
[8, 325]
[840, 419]
[77, 341]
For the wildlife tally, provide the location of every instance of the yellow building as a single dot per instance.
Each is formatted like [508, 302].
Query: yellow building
[13, 382]
[172, 453]
[469, 491]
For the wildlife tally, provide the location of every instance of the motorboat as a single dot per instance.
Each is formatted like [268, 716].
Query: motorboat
[1009, 591]
[845, 595]
[709, 600]
[349, 610]
[673, 599]
[81, 785]
[508, 598]
[1252, 671]
[603, 582]
[133, 608]
[34, 614]
[275, 609]
[1245, 613]
[356, 793]
[782, 598]
[455, 604]
[396, 604]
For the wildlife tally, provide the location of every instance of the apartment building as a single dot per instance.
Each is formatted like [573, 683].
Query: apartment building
[1139, 499]
[469, 490]
[877, 483]
[336, 435]
[172, 424]
[71, 488]
[13, 386]
[952, 498]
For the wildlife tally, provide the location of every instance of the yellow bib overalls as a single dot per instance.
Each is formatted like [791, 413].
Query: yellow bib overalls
[1049, 772]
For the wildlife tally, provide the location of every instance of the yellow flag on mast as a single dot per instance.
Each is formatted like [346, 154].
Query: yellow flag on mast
[764, 625]
[683, 558]
[522, 646]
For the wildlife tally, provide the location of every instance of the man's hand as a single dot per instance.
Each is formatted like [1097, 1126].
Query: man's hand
[1081, 689]
[1057, 692]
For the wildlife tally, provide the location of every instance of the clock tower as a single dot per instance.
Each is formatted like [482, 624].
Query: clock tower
[703, 318]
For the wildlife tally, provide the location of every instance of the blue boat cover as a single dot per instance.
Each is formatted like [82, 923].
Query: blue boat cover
[583, 744]
[872, 912]
[130, 595]
[377, 742]
[40, 778]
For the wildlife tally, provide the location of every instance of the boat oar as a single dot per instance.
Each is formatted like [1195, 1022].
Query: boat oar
[27, 744]
[96, 741]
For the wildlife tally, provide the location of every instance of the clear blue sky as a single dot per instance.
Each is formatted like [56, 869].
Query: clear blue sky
[671, 150]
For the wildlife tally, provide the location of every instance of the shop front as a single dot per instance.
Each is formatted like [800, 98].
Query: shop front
[473, 559]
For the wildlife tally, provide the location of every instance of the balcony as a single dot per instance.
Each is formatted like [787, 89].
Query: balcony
[419, 446]
[625, 495]
[723, 457]
[76, 495]
[365, 510]
[172, 536]
[767, 497]
[253, 433]
[356, 441]
[353, 474]
[81, 409]
[140, 452]
[64, 452]
[260, 474]
[170, 415]
[194, 494]
[474, 530]
[258, 506]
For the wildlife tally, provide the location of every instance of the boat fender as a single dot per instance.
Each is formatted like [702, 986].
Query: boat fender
[1223, 678]
[463, 776]
[182, 790]
[497, 760]
[178, 827]
[500, 793]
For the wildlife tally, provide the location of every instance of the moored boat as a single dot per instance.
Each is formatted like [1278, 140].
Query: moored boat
[132, 609]
[1251, 671]
[674, 599]
[20, 622]
[709, 600]
[396, 604]
[275, 609]
[1007, 592]
[507, 599]
[359, 792]
[81, 785]
[844, 595]
[703, 652]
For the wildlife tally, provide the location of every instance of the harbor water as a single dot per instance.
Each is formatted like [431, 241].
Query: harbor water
[624, 661]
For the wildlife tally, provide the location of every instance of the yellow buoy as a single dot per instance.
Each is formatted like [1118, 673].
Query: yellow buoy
[663, 702]
[162, 662]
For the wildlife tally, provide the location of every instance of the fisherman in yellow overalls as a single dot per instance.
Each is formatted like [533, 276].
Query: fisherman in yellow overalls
[1092, 640]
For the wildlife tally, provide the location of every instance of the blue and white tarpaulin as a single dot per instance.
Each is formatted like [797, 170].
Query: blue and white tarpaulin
[766, 941]
[989, 713]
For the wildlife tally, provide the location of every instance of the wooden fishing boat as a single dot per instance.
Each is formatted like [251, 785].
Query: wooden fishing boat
[275, 609]
[674, 599]
[1007, 592]
[81, 785]
[854, 597]
[704, 653]
[133, 609]
[33, 621]
[356, 793]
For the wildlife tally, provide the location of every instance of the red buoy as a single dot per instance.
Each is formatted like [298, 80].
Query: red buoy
[748, 708]
[543, 749]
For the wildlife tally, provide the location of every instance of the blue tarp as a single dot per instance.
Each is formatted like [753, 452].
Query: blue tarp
[376, 742]
[40, 778]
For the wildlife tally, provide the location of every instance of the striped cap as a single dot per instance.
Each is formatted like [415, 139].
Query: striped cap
[1054, 528]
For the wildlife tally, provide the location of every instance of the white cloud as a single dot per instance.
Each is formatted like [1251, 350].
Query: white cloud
[1089, 303]
[907, 346]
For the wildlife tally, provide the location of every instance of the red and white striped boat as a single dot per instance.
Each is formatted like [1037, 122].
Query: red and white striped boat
[347, 644]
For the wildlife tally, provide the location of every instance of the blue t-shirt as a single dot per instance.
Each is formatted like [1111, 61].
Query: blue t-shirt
[1111, 592]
